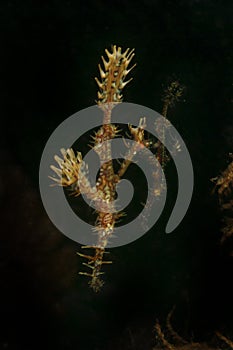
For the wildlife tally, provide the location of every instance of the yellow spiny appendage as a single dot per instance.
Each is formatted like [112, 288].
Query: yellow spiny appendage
[69, 167]
[73, 172]
[113, 75]
[94, 263]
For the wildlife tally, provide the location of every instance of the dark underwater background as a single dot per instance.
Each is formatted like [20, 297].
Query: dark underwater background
[48, 60]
